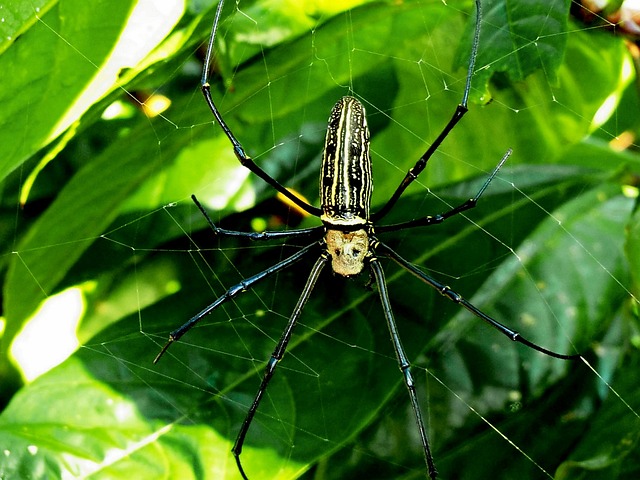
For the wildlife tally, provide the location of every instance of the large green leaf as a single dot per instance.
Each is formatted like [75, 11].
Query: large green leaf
[95, 441]
[545, 252]
[63, 57]
[530, 34]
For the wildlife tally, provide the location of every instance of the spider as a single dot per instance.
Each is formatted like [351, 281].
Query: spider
[347, 237]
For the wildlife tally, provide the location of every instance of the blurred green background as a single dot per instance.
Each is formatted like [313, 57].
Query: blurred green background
[97, 223]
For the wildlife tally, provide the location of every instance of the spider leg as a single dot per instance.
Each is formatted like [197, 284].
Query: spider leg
[276, 356]
[403, 362]
[433, 220]
[461, 109]
[457, 298]
[256, 235]
[238, 149]
[237, 289]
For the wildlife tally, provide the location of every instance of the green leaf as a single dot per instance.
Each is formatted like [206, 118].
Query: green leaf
[530, 34]
[52, 63]
[19, 17]
[106, 438]
[609, 447]
[632, 246]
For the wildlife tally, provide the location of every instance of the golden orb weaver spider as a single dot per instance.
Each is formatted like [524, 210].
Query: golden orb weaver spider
[348, 235]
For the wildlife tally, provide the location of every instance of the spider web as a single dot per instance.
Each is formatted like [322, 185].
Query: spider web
[549, 250]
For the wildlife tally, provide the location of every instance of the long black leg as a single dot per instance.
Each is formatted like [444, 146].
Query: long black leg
[403, 362]
[237, 289]
[457, 298]
[433, 220]
[461, 109]
[276, 356]
[238, 149]
[302, 232]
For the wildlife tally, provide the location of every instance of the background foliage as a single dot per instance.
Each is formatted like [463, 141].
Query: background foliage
[107, 210]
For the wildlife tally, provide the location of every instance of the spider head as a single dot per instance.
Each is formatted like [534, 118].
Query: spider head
[348, 251]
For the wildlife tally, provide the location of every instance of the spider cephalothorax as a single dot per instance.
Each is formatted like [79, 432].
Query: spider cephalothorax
[348, 250]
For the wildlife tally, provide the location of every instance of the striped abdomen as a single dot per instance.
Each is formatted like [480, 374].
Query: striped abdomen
[345, 176]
